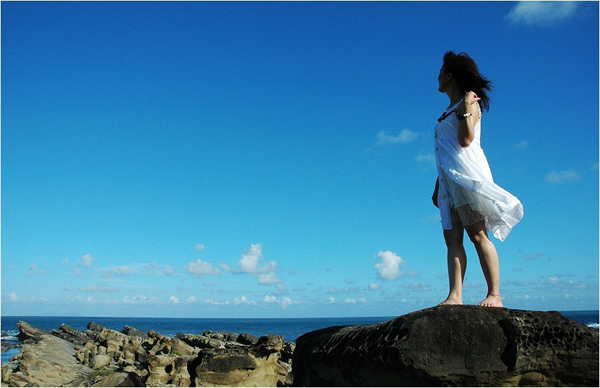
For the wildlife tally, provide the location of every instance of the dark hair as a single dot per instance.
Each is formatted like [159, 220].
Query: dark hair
[464, 68]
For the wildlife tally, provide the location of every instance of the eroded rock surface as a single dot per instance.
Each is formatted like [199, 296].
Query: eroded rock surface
[452, 345]
[100, 356]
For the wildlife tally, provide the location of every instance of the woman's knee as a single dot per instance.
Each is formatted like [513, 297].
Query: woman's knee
[453, 238]
[477, 236]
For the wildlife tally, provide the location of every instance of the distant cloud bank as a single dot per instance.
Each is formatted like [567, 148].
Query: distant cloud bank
[541, 13]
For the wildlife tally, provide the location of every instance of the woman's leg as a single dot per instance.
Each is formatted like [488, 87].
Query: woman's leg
[457, 263]
[488, 257]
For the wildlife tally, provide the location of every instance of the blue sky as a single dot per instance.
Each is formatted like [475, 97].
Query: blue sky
[275, 159]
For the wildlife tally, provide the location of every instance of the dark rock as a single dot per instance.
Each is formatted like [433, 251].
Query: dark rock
[119, 379]
[133, 332]
[452, 345]
[200, 341]
[268, 344]
[5, 334]
[28, 331]
[246, 339]
[221, 335]
[7, 346]
[93, 326]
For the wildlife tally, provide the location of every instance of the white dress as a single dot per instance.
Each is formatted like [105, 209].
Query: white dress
[466, 187]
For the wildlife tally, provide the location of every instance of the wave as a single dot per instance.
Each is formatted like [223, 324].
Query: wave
[593, 325]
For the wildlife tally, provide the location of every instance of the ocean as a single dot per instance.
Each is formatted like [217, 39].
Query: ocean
[289, 328]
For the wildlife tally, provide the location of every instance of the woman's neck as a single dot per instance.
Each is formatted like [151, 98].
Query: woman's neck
[455, 95]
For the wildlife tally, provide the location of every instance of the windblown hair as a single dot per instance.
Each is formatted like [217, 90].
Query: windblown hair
[464, 68]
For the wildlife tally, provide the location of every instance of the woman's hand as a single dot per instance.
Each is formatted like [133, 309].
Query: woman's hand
[471, 98]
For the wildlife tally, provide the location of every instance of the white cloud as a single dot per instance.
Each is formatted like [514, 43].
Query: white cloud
[216, 303]
[249, 260]
[373, 286]
[389, 267]
[286, 302]
[268, 278]
[139, 299]
[362, 300]
[404, 136]
[563, 176]
[168, 270]
[174, 299]
[191, 299]
[331, 300]
[13, 297]
[542, 13]
[86, 260]
[351, 301]
[426, 159]
[201, 268]
[200, 247]
[553, 280]
[270, 299]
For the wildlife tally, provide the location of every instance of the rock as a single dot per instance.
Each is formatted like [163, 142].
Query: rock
[100, 361]
[247, 339]
[112, 335]
[221, 335]
[200, 341]
[133, 332]
[268, 344]
[28, 331]
[119, 379]
[93, 326]
[49, 362]
[5, 334]
[452, 345]
[161, 370]
[237, 367]
[7, 346]
[181, 348]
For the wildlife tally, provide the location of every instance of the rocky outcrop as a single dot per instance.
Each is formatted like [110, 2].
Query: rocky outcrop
[100, 356]
[452, 346]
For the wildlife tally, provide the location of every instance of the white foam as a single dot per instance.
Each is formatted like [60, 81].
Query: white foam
[593, 325]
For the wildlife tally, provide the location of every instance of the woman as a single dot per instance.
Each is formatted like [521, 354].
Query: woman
[465, 191]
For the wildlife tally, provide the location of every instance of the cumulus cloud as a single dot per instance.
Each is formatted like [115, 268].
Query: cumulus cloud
[541, 13]
[13, 297]
[216, 303]
[563, 176]
[553, 280]
[191, 299]
[362, 300]
[286, 302]
[201, 268]
[138, 299]
[200, 247]
[331, 300]
[268, 278]
[270, 299]
[373, 286]
[351, 301]
[404, 136]
[86, 261]
[174, 299]
[389, 266]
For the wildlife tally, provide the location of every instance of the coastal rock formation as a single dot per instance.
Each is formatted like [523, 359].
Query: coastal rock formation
[100, 356]
[452, 345]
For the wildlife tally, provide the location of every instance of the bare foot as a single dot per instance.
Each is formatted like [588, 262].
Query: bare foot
[492, 300]
[451, 300]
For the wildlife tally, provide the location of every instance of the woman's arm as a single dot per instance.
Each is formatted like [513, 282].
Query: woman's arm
[466, 126]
